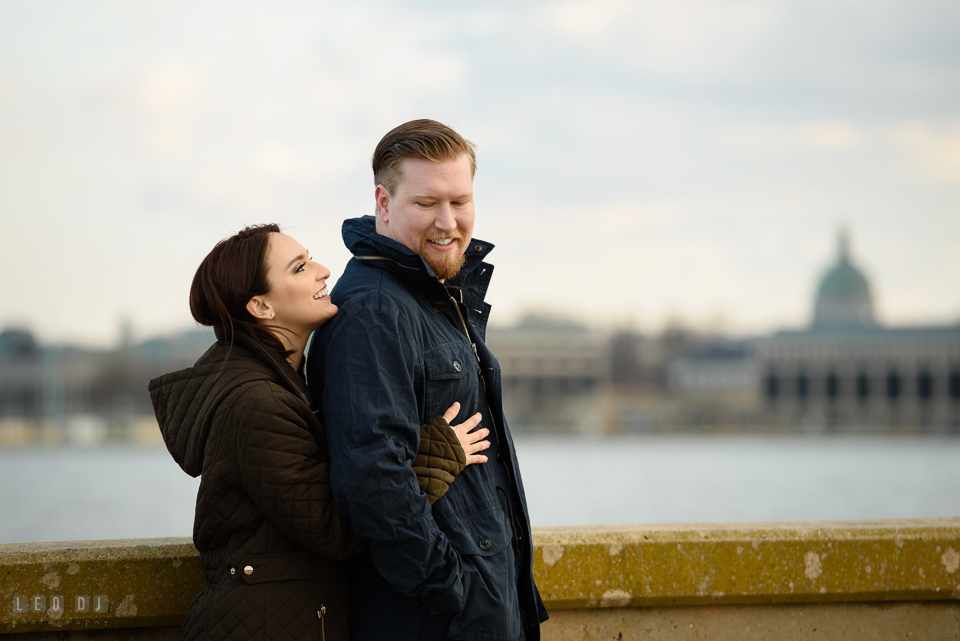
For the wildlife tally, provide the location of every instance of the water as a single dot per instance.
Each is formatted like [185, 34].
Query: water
[130, 491]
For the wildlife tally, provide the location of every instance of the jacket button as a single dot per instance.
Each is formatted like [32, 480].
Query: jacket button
[233, 571]
[431, 605]
[477, 248]
[456, 365]
[438, 306]
[486, 544]
[248, 570]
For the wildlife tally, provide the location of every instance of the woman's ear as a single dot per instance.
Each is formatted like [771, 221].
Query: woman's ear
[260, 309]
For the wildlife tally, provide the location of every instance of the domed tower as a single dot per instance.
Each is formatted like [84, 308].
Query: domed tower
[843, 298]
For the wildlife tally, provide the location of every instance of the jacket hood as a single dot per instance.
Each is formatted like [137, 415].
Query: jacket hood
[186, 402]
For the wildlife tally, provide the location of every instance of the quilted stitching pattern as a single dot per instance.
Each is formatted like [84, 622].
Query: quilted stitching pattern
[440, 457]
[245, 428]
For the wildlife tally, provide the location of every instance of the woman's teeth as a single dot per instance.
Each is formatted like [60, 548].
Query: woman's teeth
[320, 294]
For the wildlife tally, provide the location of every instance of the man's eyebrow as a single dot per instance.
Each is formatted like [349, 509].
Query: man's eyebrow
[295, 259]
[466, 194]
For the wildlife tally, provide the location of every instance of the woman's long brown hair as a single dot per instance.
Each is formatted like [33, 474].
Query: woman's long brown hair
[232, 273]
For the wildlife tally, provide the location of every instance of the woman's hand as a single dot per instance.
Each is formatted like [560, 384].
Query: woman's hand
[469, 441]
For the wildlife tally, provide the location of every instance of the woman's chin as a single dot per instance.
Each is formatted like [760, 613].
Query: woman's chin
[329, 312]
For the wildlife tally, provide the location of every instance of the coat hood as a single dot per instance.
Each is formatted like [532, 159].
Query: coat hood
[185, 402]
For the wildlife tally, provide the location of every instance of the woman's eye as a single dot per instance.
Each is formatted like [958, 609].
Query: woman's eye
[300, 267]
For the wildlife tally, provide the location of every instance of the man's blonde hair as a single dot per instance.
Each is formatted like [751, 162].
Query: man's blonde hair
[426, 139]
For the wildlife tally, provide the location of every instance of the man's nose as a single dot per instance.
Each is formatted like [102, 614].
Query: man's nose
[445, 219]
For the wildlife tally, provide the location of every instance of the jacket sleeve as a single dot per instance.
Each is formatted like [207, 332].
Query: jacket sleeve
[440, 458]
[371, 412]
[287, 475]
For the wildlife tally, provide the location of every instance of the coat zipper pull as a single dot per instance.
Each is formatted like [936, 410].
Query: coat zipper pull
[323, 629]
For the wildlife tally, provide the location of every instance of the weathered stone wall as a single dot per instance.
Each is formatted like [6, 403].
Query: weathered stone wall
[833, 580]
[851, 580]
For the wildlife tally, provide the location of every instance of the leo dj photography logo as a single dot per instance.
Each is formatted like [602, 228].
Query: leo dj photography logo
[57, 604]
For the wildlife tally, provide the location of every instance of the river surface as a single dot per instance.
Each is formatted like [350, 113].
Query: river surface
[130, 491]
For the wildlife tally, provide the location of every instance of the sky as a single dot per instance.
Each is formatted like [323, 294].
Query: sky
[640, 164]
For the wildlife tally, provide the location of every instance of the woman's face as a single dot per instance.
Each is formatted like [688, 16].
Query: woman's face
[298, 294]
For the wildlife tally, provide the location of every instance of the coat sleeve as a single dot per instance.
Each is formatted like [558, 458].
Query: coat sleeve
[440, 458]
[371, 412]
[287, 474]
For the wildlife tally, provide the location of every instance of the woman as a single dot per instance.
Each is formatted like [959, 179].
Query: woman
[269, 534]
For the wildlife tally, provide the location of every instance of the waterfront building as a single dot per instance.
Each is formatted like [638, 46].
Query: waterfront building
[847, 372]
[59, 383]
[552, 372]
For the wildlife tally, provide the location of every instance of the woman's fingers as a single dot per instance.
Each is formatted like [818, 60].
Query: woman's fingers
[475, 442]
[476, 458]
[451, 413]
[471, 441]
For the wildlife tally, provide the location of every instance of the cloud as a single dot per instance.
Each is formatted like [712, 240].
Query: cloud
[173, 87]
[6, 91]
[648, 219]
[933, 153]
[283, 163]
[687, 37]
[774, 138]
[256, 185]
[170, 94]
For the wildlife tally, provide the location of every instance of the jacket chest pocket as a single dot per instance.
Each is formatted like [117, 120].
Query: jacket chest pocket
[451, 375]
[484, 534]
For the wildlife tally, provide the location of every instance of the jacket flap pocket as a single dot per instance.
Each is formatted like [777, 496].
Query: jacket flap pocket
[485, 533]
[292, 566]
[449, 361]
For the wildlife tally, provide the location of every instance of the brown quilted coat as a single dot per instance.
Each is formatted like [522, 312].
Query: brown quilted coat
[270, 536]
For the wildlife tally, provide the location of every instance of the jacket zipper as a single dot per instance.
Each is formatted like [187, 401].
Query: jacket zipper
[486, 397]
[323, 630]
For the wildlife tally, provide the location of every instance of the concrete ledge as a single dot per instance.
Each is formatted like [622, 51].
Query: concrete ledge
[748, 563]
[146, 582]
[938, 621]
[872, 579]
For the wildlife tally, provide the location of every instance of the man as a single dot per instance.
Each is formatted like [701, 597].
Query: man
[407, 343]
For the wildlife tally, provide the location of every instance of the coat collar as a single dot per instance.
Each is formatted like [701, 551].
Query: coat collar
[361, 238]
[278, 365]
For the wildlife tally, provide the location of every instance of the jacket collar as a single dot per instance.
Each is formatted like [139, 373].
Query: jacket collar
[278, 365]
[361, 238]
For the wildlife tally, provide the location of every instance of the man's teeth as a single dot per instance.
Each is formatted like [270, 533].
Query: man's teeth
[320, 294]
[445, 241]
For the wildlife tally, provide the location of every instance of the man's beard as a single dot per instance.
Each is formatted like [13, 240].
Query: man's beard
[445, 267]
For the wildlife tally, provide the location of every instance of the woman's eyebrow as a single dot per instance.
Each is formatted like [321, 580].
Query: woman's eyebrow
[295, 259]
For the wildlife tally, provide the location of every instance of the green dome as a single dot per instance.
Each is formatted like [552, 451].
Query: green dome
[843, 297]
[844, 283]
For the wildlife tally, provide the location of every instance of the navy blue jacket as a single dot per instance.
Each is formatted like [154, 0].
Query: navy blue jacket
[400, 350]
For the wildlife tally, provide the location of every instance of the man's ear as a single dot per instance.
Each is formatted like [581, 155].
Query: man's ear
[260, 309]
[382, 197]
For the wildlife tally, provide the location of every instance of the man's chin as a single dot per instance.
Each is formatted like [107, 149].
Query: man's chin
[446, 268]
